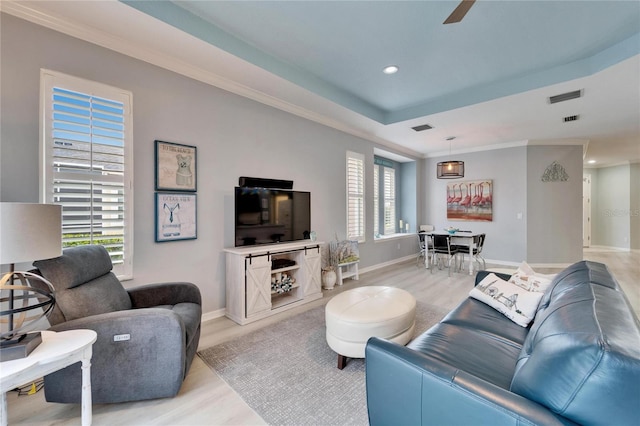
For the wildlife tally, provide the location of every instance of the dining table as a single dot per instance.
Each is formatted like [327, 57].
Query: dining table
[461, 238]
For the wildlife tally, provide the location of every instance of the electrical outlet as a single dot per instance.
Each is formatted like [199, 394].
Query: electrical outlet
[398, 246]
[121, 337]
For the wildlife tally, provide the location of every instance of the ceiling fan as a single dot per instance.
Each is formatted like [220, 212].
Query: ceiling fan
[459, 12]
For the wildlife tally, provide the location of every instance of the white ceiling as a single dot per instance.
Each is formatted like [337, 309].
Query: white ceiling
[485, 80]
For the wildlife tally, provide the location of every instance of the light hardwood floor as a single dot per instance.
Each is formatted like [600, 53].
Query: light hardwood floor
[205, 399]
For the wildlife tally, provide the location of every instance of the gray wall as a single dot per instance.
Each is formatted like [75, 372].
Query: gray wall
[537, 222]
[506, 234]
[234, 136]
[554, 225]
[634, 205]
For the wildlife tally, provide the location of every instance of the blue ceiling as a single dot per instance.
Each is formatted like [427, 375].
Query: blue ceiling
[337, 49]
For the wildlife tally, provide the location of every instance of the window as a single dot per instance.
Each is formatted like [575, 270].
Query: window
[389, 195]
[87, 162]
[386, 186]
[355, 196]
[376, 201]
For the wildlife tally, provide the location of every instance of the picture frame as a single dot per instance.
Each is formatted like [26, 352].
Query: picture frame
[470, 200]
[175, 167]
[175, 216]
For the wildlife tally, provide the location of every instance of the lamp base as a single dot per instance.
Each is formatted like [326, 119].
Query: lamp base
[20, 347]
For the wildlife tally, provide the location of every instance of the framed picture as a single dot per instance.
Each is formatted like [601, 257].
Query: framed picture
[176, 167]
[175, 216]
[470, 200]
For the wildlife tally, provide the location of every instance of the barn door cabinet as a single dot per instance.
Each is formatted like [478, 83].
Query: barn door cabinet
[264, 280]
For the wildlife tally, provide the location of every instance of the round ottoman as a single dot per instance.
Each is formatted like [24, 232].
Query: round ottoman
[356, 315]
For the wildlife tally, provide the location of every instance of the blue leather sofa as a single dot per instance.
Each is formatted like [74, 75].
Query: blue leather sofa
[577, 363]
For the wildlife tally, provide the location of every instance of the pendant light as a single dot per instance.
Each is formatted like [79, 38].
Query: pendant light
[450, 169]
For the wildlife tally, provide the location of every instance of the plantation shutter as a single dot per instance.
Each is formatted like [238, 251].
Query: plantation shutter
[87, 138]
[355, 196]
[376, 200]
[389, 200]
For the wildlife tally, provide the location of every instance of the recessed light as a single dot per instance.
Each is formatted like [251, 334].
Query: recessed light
[591, 161]
[391, 69]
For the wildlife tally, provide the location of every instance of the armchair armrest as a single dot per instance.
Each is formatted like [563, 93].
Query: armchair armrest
[408, 387]
[149, 352]
[151, 295]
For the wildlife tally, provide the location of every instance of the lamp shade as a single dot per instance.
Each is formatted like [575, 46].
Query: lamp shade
[29, 231]
[450, 169]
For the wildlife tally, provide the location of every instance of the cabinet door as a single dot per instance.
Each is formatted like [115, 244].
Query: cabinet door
[311, 282]
[258, 285]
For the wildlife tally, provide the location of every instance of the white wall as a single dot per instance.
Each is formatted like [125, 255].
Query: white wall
[234, 137]
[611, 211]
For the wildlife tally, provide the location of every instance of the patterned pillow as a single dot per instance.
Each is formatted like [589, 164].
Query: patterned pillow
[514, 302]
[530, 280]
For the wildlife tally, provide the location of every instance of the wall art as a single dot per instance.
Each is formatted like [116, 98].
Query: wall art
[555, 173]
[470, 201]
[176, 167]
[176, 216]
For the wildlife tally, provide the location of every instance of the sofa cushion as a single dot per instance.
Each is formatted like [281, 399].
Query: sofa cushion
[581, 358]
[484, 355]
[514, 302]
[472, 313]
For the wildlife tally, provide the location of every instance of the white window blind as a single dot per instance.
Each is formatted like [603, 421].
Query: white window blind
[87, 163]
[376, 200]
[355, 196]
[389, 200]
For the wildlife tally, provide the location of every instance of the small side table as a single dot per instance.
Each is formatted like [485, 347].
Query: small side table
[57, 351]
[348, 270]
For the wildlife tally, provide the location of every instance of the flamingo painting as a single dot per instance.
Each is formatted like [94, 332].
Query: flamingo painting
[472, 200]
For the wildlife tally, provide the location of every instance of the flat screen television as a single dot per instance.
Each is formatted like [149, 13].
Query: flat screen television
[268, 216]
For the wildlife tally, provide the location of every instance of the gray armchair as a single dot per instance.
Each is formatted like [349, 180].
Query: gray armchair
[158, 329]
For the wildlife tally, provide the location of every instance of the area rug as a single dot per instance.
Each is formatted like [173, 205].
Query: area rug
[287, 373]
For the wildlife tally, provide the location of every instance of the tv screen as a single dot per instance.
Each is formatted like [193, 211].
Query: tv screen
[268, 216]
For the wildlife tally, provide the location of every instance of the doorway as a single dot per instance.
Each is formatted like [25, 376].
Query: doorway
[586, 210]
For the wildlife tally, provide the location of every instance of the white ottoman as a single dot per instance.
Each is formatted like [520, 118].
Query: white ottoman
[356, 315]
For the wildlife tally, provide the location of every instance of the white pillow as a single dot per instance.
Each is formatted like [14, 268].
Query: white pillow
[514, 302]
[530, 280]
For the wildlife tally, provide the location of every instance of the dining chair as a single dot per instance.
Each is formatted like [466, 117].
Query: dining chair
[478, 244]
[425, 241]
[442, 246]
[476, 249]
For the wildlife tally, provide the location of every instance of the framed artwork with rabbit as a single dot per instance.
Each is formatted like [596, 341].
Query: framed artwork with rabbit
[176, 166]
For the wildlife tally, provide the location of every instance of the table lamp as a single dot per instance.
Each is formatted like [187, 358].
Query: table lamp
[28, 232]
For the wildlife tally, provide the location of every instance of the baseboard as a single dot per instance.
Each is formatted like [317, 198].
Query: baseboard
[607, 248]
[388, 263]
[208, 316]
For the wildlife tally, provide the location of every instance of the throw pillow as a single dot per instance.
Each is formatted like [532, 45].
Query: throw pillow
[530, 280]
[514, 302]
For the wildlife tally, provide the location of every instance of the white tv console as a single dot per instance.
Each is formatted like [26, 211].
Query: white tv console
[249, 276]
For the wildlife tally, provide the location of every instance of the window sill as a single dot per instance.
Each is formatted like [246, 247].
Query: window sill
[391, 237]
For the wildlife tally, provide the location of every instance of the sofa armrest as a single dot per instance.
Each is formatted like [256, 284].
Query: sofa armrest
[150, 295]
[408, 387]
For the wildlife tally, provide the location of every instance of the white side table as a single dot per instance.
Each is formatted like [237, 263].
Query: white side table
[57, 351]
[348, 270]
